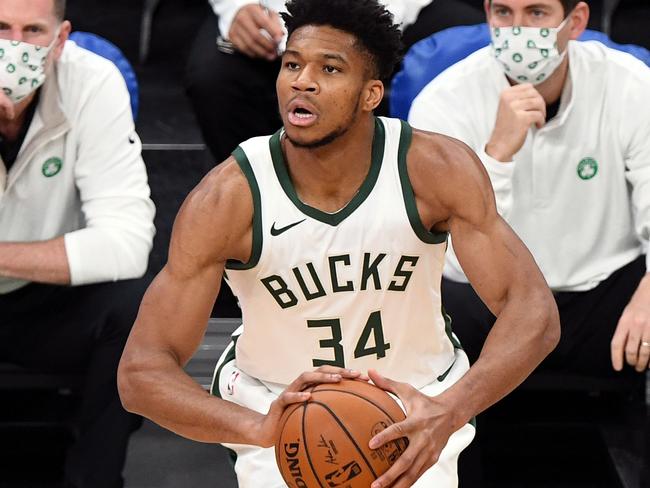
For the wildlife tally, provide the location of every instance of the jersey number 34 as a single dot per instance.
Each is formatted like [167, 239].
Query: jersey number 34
[372, 328]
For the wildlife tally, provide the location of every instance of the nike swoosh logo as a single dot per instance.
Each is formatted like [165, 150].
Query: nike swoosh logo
[277, 232]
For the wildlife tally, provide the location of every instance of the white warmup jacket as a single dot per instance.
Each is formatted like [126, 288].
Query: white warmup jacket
[405, 12]
[79, 173]
[578, 191]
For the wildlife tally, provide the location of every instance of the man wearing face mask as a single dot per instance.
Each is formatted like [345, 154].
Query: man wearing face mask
[76, 224]
[563, 130]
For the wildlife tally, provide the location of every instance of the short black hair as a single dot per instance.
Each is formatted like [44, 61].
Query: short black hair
[367, 20]
[59, 9]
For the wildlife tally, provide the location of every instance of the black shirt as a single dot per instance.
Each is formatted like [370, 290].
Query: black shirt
[552, 109]
[9, 149]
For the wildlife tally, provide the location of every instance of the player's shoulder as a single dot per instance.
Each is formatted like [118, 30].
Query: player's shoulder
[221, 202]
[435, 152]
[224, 185]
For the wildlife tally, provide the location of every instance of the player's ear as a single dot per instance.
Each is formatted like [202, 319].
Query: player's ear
[372, 95]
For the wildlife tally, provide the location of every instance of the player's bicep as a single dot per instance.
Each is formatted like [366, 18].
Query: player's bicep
[492, 256]
[211, 227]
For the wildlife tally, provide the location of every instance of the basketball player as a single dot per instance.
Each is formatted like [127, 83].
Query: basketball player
[332, 233]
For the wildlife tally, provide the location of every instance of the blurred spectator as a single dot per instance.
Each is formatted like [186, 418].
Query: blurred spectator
[75, 217]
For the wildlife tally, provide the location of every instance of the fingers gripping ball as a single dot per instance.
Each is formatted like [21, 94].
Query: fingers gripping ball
[324, 441]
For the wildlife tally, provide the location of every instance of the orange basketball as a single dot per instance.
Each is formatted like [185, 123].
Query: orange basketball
[324, 441]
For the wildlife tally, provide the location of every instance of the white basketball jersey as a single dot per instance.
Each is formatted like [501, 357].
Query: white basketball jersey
[359, 288]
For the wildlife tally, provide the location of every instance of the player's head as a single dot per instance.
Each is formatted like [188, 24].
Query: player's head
[337, 54]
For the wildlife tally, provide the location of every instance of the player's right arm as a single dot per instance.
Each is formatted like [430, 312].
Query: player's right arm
[213, 225]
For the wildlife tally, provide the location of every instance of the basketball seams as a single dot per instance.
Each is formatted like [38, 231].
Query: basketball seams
[304, 441]
[379, 407]
[344, 429]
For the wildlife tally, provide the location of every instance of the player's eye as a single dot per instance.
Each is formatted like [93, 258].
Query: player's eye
[291, 65]
[330, 69]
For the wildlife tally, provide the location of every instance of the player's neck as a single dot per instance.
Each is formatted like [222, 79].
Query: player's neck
[328, 177]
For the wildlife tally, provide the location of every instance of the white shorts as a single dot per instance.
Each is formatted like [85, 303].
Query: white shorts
[256, 467]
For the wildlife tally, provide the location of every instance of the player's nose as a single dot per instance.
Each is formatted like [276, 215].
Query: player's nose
[305, 82]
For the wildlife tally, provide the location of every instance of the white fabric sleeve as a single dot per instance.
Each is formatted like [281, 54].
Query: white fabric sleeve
[500, 174]
[227, 9]
[112, 182]
[637, 161]
[405, 12]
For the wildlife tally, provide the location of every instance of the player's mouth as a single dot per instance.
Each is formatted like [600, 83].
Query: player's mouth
[301, 114]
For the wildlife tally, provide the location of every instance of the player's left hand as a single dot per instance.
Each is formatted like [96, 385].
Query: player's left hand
[631, 341]
[428, 426]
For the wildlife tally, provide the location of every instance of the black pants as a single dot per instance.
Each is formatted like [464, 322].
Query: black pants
[588, 321]
[234, 96]
[82, 330]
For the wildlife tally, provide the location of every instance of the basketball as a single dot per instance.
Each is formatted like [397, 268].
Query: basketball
[324, 441]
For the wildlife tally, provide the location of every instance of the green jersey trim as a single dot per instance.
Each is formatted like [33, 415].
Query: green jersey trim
[366, 187]
[230, 356]
[256, 250]
[425, 235]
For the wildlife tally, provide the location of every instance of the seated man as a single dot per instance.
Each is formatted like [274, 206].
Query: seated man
[74, 210]
[563, 129]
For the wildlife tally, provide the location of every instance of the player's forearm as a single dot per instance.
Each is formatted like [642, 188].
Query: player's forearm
[526, 331]
[43, 261]
[156, 387]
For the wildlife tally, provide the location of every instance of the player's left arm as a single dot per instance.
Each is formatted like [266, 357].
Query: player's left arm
[453, 193]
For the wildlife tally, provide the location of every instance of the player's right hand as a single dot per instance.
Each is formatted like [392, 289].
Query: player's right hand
[256, 32]
[270, 427]
[520, 107]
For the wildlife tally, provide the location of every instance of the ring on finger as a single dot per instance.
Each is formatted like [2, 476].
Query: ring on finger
[645, 344]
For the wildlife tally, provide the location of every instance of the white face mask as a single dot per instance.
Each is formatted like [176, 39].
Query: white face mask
[527, 54]
[22, 67]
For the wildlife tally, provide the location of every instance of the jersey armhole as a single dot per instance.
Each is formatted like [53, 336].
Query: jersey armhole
[256, 249]
[424, 234]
